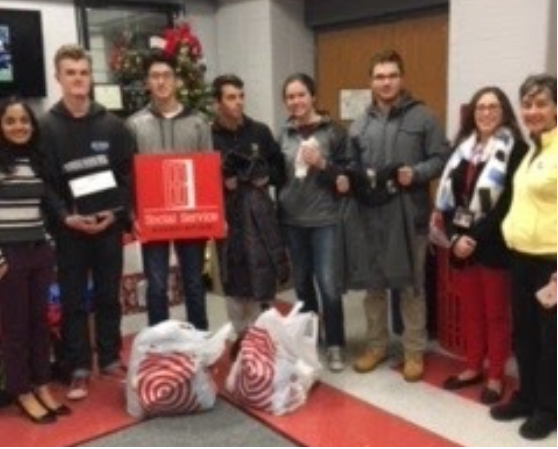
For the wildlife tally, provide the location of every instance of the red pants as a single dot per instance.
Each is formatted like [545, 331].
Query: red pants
[485, 294]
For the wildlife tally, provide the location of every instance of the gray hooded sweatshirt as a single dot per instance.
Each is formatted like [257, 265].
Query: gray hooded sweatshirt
[185, 132]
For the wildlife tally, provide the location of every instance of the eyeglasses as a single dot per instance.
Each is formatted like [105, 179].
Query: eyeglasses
[491, 108]
[385, 77]
[165, 76]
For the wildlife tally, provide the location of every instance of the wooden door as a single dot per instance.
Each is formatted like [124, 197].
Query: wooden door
[343, 59]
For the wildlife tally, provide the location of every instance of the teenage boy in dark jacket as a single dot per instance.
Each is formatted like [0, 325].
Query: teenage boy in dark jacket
[253, 257]
[87, 154]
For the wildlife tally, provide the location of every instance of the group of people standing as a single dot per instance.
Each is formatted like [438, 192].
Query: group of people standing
[495, 205]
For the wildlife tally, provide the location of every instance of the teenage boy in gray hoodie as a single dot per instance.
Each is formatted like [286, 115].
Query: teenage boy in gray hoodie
[165, 125]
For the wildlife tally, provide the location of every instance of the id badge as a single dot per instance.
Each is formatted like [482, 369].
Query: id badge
[463, 218]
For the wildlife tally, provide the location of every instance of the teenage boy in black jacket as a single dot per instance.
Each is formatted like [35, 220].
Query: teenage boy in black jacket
[87, 155]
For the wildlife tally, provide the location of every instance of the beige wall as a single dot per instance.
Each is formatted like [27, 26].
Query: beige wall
[496, 42]
[292, 50]
[552, 39]
[263, 41]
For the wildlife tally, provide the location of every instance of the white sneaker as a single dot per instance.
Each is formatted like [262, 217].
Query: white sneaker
[335, 361]
[79, 388]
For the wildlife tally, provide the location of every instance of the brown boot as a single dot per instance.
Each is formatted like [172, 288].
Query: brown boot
[413, 369]
[369, 360]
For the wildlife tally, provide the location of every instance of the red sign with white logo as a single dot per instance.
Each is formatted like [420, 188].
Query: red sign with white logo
[179, 196]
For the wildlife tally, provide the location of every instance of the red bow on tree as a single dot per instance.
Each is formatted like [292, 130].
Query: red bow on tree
[181, 37]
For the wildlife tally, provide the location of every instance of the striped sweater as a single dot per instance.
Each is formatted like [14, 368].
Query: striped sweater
[21, 218]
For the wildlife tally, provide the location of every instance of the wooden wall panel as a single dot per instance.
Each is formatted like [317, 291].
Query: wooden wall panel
[343, 59]
[328, 13]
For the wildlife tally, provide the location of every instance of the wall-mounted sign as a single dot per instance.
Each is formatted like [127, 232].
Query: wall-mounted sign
[353, 102]
[109, 95]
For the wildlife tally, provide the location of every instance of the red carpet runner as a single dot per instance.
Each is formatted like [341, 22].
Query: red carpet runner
[101, 413]
[331, 418]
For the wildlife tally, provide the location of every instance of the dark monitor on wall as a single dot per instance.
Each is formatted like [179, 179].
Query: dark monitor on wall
[22, 62]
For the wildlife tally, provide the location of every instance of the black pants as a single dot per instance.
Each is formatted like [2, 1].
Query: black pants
[534, 332]
[99, 256]
[23, 300]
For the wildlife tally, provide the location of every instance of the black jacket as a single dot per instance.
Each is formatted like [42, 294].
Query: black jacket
[249, 152]
[66, 139]
[253, 258]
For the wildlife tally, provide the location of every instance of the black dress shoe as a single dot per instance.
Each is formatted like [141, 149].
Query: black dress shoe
[511, 410]
[47, 418]
[538, 426]
[455, 383]
[61, 410]
[489, 396]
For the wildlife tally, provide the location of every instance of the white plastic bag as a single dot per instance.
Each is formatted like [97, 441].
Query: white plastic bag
[133, 262]
[168, 369]
[277, 363]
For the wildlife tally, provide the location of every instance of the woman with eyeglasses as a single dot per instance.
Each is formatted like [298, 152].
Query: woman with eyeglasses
[530, 232]
[473, 198]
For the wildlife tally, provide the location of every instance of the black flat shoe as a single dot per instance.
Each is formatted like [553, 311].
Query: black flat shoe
[47, 418]
[489, 396]
[61, 410]
[455, 383]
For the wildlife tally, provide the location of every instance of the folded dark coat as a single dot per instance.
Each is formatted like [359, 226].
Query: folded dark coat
[253, 258]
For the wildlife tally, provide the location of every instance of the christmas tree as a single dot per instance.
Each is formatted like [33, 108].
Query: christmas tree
[179, 42]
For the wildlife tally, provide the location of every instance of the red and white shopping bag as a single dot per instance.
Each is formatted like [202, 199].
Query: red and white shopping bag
[168, 372]
[277, 363]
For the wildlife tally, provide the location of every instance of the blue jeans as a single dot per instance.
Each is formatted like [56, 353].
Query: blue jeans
[190, 255]
[312, 251]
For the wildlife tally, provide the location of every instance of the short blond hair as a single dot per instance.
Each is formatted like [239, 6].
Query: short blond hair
[71, 51]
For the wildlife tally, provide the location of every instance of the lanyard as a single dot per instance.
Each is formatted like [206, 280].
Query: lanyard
[473, 168]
